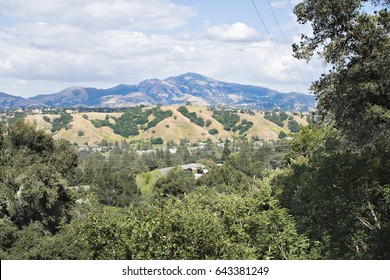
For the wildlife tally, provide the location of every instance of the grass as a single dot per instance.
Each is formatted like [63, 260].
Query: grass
[173, 128]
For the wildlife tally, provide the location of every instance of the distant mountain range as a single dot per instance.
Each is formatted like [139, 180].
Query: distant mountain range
[189, 87]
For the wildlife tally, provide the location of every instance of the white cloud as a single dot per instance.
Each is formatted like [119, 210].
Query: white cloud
[92, 14]
[236, 32]
[105, 42]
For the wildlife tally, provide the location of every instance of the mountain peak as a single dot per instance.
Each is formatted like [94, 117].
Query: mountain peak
[190, 76]
[193, 87]
[6, 95]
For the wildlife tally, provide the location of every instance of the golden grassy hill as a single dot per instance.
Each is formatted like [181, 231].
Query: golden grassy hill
[173, 128]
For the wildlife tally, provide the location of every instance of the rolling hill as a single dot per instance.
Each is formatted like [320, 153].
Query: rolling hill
[175, 127]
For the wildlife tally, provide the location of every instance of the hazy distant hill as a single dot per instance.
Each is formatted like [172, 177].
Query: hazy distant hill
[10, 101]
[190, 87]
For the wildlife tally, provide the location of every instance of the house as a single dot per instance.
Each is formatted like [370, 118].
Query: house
[196, 168]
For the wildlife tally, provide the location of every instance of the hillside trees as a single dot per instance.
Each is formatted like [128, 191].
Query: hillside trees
[355, 94]
[276, 117]
[61, 122]
[204, 224]
[336, 184]
[339, 197]
[135, 118]
[227, 118]
[191, 116]
[33, 177]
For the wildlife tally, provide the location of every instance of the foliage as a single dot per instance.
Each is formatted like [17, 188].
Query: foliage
[276, 117]
[355, 93]
[147, 180]
[157, 141]
[101, 123]
[129, 123]
[191, 116]
[282, 135]
[293, 126]
[46, 119]
[338, 196]
[213, 131]
[220, 226]
[227, 118]
[159, 115]
[244, 126]
[113, 180]
[176, 183]
[33, 177]
[62, 122]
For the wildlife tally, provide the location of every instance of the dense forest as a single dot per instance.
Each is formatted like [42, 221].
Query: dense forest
[323, 194]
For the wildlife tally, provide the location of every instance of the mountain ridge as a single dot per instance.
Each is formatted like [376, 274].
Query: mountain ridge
[189, 87]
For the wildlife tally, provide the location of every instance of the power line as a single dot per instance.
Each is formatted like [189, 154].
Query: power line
[296, 25]
[287, 45]
[273, 43]
[299, 33]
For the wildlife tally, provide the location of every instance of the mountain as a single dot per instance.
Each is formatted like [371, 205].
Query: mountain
[189, 87]
[10, 101]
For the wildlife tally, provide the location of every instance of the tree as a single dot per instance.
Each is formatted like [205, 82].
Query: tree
[157, 141]
[355, 94]
[33, 177]
[226, 151]
[282, 135]
[338, 197]
[293, 126]
[176, 183]
[336, 185]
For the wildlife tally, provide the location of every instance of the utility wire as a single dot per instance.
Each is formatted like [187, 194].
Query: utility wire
[296, 25]
[300, 34]
[273, 43]
[287, 45]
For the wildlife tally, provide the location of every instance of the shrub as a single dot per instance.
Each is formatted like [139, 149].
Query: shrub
[46, 119]
[157, 141]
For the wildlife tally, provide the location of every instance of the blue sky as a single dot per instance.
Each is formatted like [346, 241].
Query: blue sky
[48, 45]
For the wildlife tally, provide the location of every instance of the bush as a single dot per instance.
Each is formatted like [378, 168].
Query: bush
[294, 126]
[275, 117]
[213, 131]
[46, 119]
[80, 133]
[157, 141]
[191, 116]
[227, 118]
[62, 122]
[282, 134]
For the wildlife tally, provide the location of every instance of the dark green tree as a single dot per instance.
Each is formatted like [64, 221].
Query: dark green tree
[33, 177]
[176, 183]
[355, 94]
[226, 151]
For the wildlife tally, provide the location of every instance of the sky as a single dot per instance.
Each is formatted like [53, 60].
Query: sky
[49, 45]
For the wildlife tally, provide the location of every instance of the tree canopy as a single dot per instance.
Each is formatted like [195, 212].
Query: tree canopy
[355, 94]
